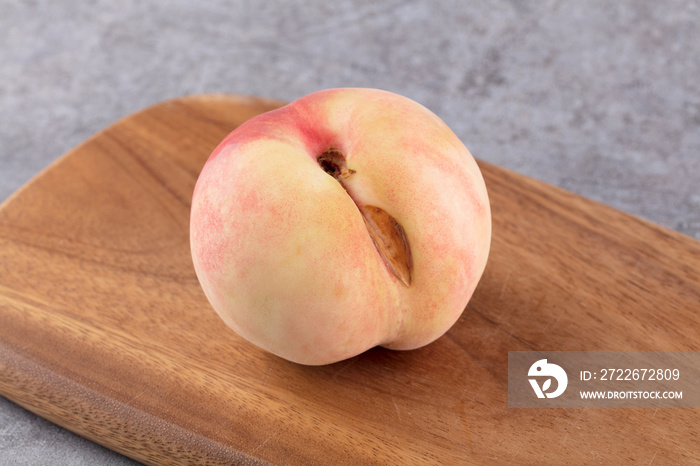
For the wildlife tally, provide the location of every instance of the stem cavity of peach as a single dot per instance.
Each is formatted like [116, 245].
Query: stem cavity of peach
[387, 234]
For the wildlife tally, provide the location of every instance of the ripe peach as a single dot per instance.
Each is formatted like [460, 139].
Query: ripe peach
[347, 219]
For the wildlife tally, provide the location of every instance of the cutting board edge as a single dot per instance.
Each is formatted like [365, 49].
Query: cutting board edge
[242, 99]
[591, 203]
[85, 411]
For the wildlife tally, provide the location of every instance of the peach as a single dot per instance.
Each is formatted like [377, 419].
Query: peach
[347, 219]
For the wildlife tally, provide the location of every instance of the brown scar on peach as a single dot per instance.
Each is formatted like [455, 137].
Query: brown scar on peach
[386, 232]
[333, 162]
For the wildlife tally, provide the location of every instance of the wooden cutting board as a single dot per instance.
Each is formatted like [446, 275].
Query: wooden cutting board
[105, 330]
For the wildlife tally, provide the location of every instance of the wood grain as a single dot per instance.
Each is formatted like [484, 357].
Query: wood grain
[105, 330]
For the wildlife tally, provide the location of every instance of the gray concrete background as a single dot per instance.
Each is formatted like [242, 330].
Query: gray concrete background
[601, 98]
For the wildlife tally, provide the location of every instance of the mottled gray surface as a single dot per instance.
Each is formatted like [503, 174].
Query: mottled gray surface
[598, 97]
